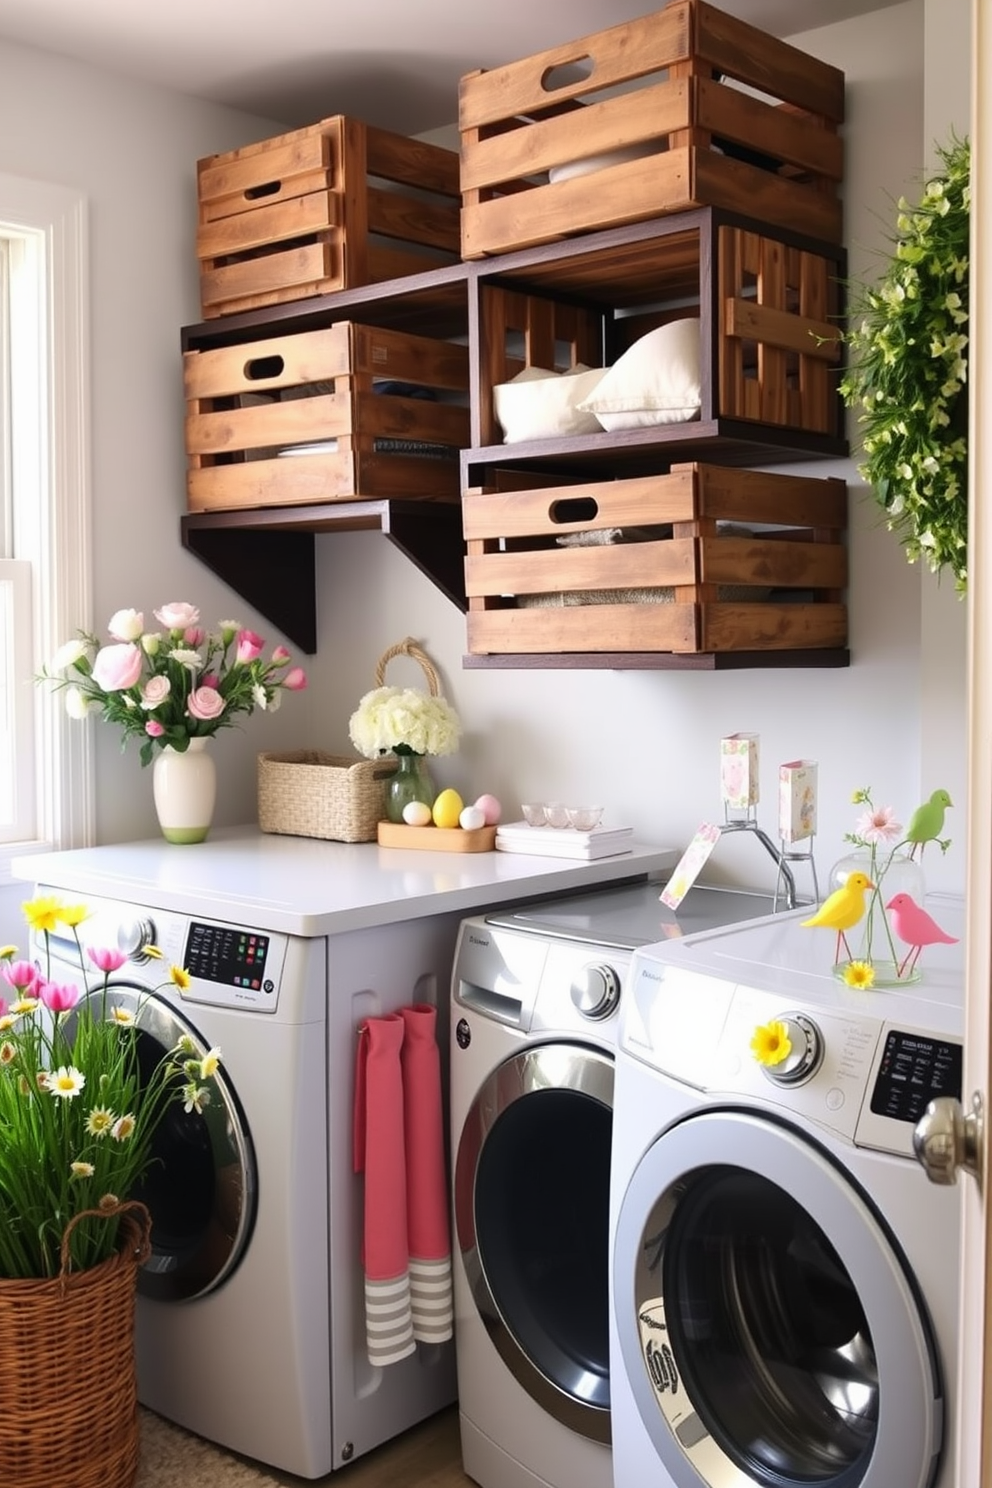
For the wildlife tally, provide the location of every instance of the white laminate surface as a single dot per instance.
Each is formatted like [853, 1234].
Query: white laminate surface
[305, 886]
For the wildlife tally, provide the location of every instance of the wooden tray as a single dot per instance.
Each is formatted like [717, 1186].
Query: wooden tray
[437, 839]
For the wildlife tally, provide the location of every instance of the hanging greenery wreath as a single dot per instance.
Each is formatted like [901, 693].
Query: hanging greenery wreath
[907, 372]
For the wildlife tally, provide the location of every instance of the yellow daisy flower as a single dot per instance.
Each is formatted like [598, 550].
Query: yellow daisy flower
[73, 914]
[770, 1043]
[860, 974]
[179, 977]
[42, 913]
[8, 952]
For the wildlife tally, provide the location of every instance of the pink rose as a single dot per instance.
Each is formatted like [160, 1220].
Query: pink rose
[178, 616]
[155, 692]
[106, 958]
[295, 679]
[116, 668]
[58, 999]
[249, 646]
[205, 703]
[154, 729]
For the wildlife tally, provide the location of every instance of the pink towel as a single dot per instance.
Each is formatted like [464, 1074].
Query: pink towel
[379, 1152]
[399, 1145]
[428, 1231]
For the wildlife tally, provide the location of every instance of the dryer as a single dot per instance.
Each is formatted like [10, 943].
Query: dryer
[783, 1275]
[535, 998]
[250, 1326]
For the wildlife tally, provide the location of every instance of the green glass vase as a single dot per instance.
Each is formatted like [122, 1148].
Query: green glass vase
[411, 782]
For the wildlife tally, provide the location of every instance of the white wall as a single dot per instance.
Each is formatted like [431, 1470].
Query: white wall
[643, 743]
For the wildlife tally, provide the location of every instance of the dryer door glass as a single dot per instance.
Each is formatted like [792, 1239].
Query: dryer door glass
[532, 1208]
[773, 1342]
[200, 1188]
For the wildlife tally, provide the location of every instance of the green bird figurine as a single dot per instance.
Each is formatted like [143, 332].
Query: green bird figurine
[927, 821]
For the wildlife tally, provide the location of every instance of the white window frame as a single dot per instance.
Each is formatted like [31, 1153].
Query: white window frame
[50, 488]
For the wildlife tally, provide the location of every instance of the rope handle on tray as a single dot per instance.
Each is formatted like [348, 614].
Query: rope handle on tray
[112, 1210]
[409, 647]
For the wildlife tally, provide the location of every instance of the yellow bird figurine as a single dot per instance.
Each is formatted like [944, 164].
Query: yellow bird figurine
[842, 909]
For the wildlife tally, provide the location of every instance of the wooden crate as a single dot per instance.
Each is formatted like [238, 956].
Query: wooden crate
[255, 411]
[768, 312]
[666, 82]
[683, 576]
[329, 207]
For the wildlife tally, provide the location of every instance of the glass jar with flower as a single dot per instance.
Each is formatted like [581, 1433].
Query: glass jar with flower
[173, 689]
[409, 723]
[887, 921]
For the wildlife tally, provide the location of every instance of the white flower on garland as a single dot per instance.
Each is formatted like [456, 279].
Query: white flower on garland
[404, 720]
[908, 372]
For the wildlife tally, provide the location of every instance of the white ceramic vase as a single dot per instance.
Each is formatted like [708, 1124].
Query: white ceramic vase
[185, 789]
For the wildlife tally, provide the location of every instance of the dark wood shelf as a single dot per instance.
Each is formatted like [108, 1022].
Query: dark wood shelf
[269, 555]
[661, 661]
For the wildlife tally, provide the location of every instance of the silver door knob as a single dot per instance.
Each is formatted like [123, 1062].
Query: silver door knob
[947, 1138]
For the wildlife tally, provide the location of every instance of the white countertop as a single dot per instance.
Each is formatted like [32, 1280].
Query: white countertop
[305, 886]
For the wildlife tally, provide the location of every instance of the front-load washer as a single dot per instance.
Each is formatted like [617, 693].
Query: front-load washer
[250, 1325]
[535, 996]
[783, 1274]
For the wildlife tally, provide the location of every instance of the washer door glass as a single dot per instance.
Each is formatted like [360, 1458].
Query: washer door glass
[768, 1324]
[532, 1183]
[200, 1188]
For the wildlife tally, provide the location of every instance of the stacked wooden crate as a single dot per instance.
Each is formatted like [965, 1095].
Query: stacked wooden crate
[707, 187]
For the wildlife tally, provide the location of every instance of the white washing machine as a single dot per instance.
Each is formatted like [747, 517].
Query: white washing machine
[783, 1274]
[535, 999]
[250, 1314]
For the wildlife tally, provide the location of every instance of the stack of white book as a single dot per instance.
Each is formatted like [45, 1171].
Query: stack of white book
[563, 842]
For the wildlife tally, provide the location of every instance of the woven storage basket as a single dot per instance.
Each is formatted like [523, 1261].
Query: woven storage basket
[67, 1370]
[309, 794]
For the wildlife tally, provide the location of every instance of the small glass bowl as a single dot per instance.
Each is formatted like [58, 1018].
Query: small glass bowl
[584, 818]
[535, 813]
[557, 814]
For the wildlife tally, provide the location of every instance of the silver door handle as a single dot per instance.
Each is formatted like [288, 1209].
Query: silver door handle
[947, 1138]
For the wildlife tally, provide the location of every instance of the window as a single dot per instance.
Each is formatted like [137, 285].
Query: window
[46, 792]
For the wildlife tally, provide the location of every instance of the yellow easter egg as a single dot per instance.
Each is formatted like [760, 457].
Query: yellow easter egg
[448, 808]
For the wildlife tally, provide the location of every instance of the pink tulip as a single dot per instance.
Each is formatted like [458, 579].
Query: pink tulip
[116, 668]
[205, 703]
[106, 958]
[210, 680]
[194, 636]
[154, 729]
[295, 679]
[20, 975]
[280, 656]
[58, 999]
[249, 646]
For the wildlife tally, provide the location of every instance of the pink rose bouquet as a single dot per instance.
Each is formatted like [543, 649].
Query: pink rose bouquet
[171, 685]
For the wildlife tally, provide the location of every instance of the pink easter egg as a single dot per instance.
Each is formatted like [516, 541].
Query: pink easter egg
[490, 808]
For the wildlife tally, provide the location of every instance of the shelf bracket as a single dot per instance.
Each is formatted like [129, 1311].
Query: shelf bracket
[273, 570]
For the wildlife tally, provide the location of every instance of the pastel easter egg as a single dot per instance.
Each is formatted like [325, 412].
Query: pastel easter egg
[490, 808]
[471, 818]
[416, 814]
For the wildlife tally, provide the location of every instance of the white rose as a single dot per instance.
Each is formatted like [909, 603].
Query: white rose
[77, 704]
[67, 656]
[126, 625]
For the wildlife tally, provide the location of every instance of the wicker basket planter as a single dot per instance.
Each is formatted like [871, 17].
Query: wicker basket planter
[306, 793]
[67, 1370]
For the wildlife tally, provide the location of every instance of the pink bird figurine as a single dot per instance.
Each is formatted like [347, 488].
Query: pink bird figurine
[915, 928]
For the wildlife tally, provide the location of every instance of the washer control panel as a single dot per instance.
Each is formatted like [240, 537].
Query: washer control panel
[228, 965]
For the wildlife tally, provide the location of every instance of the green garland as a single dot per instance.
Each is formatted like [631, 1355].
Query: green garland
[908, 369]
